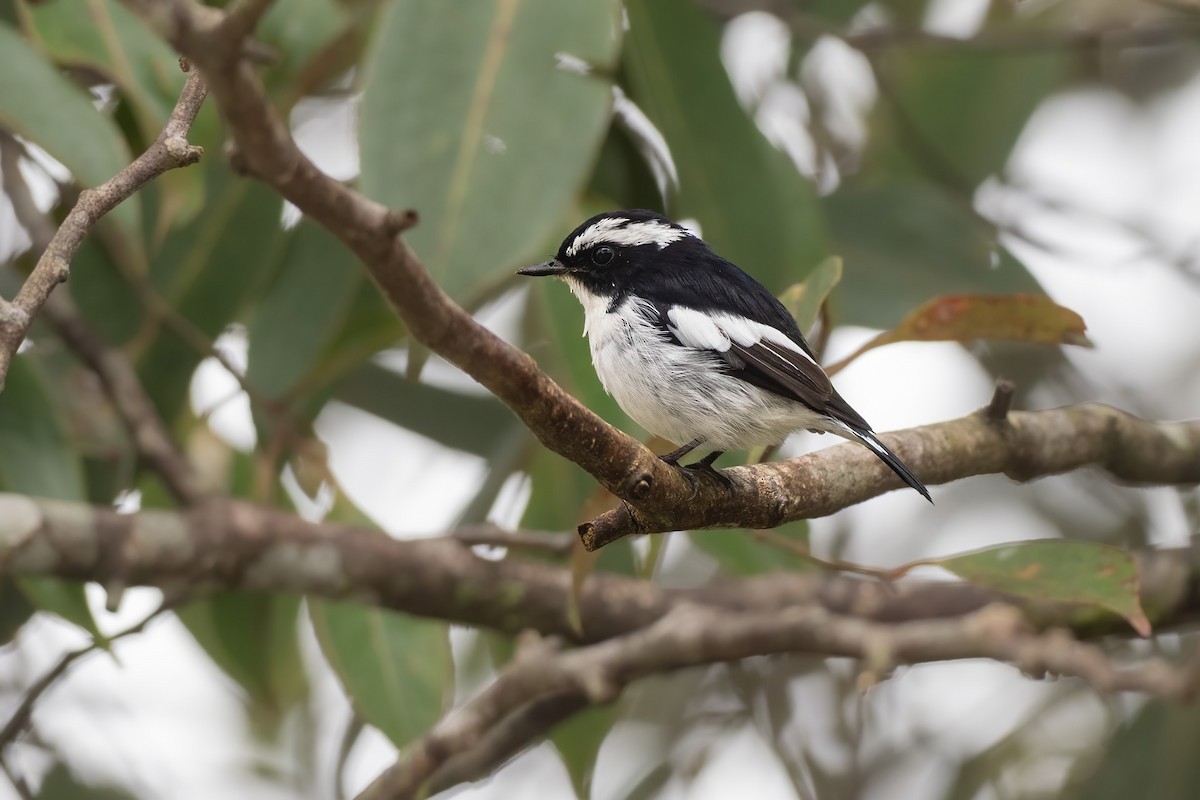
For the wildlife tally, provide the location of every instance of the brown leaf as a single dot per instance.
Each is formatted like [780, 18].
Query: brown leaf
[1030, 318]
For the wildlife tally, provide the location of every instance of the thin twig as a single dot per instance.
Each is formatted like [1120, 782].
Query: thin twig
[545, 541]
[169, 151]
[1002, 400]
[21, 716]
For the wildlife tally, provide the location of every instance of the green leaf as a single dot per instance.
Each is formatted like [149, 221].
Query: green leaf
[208, 272]
[447, 128]
[904, 243]
[298, 30]
[397, 670]
[370, 325]
[15, 610]
[1150, 756]
[103, 35]
[103, 294]
[804, 300]
[955, 114]
[578, 742]
[754, 209]
[252, 637]
[742, 552]
[61, 784]
[303, 311]
[36, 458]
[1055, 570]
[477, 424]
[40, 104]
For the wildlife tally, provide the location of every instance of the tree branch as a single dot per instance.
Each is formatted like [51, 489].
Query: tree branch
[691, 636]
[1024, 445]
[235, 545]
[169, 150]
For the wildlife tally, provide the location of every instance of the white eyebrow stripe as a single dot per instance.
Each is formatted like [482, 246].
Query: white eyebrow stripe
[633, 234]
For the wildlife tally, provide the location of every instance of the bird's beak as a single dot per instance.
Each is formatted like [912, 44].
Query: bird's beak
[552, 267]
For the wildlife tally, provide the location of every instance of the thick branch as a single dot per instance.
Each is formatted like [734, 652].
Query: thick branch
[1024, 446]
[691, 636]
[235, 545]
[170, 150]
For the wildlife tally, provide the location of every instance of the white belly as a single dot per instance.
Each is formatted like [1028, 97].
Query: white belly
[681, 393]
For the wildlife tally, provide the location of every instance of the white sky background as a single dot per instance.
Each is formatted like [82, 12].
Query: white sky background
[167, 723]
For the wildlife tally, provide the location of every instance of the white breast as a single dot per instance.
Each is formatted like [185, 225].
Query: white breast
[676, 391]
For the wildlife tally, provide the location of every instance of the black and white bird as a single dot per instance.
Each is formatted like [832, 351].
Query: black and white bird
[694, 349]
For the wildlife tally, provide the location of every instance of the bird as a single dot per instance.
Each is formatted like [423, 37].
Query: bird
[695, 350]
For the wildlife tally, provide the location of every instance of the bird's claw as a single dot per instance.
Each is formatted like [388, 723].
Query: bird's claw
[708, 469]
[692, 472]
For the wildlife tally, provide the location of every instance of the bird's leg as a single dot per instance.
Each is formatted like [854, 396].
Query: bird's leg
[673, 457]
[706, 465]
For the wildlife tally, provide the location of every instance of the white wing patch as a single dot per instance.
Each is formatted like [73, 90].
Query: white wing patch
[633, 234]
[696, 329]
[716, 331]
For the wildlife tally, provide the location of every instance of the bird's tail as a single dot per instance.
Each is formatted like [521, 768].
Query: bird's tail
[891, 459]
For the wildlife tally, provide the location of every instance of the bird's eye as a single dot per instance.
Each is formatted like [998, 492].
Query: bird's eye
[602, 255]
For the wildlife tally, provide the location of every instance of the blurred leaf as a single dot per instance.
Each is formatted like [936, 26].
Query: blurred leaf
[41, 105]
[755, 209]
[1054, 570]
[297, 30]
[1032, 318]
[467, 103]
[303, 310]
[621, 178]
[804, 300]
[208, 272]
[397, 669]
[473, 423]
[36, 458]
[60, 784]
[103, 294]
[1153, 755]
[578, 742]
[955, 114]
[740, 552]
[370, 325]
[837, 10]
[103, 35]
[252, 637]
[904, 243]
[66, 599]
[15, 610]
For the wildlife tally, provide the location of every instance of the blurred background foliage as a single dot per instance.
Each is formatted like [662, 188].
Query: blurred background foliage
[504, 124]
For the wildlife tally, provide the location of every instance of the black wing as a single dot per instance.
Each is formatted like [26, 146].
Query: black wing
[785, 372]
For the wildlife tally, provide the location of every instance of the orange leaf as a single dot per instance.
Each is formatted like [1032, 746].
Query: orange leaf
[1031, 318]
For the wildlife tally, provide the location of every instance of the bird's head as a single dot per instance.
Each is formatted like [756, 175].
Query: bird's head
[608, 251]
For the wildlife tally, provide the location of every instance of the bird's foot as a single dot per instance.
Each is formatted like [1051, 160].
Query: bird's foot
[705, 467]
